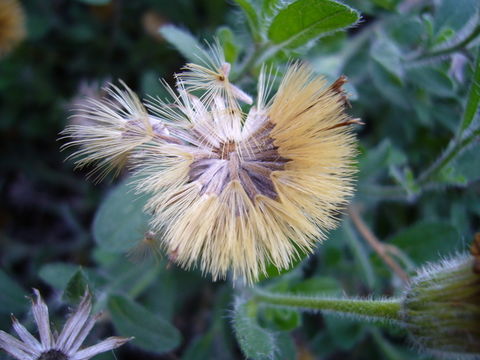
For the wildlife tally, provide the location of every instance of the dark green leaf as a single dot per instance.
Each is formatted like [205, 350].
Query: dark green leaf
[255, 342]
[282, 319]
[229, 45]
[306, 20]
[184, 42]
[200, 348]
[151, 331]
[473, 100]
[345, 333]
[76, 287]
[454, 14]
[120, 222]
[57, 275]
[387, 54]
[12, 296]
[434, 81]
[251, 13]
[467, 165]
[427, 241]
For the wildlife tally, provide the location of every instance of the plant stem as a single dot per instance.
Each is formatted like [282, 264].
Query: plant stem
[376, 244]
[375, 310]
[445, 51]
[454, 148]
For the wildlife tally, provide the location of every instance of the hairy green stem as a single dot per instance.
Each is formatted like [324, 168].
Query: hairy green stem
[446, 51]
[454, 149]
[375, 310]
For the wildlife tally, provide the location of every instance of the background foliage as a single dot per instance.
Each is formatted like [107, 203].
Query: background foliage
[410, 64]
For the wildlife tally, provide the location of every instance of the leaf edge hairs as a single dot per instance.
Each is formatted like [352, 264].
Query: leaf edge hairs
[64, 346]
[231, 191]
[12, 25]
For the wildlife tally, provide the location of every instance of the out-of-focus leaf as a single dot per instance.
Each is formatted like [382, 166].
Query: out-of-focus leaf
[151, 331]
[427, 241]
[454, 14]
[306, 20]
[120, 222]
[12, 296]
[282, 319]
[227, 40]
[200, 348]
[183, 41]
[317, 285]
[345, 333]
[57, 275]
[387, 4]
[269, 7]
[467, 164]
[434, 81]
[286, 346]
[76, 287]
[387, 54]
[251, 12]
[255, 342]
[379, 158]
[388, 85]
[473, 100]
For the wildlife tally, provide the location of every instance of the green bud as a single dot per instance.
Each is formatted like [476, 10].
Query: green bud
[441, 309]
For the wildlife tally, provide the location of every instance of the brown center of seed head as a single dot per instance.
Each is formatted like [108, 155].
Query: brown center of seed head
[250, 162]
[53, 355]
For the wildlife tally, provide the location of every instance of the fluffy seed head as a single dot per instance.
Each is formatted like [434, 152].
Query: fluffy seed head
[12, 25]
[108, 129]
[442, 309]
[233, 191]
[241, 191]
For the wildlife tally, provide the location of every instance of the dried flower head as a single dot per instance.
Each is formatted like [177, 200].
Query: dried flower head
[66, 345]
[107, 130]
[235, 191]
[12, 25]
[441, 309]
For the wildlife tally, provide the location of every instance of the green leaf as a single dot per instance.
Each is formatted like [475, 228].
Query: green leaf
[473, 100]
[306, 20]
[467, 164]
[12, 296]
[200, 348]
[229, 45]
[454, 14]
[317, 285]
[120, 222]
[387, 54]
[344, 333]
[76, 287]
[255, 342]
[184, 42]
[282, 319]
[434, 81]
[251, 12]
[57, 275]
[427, 241]
[151, 331]
[379, 158]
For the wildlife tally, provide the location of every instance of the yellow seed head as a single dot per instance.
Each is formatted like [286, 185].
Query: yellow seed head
[233, 191]
[245, 190]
